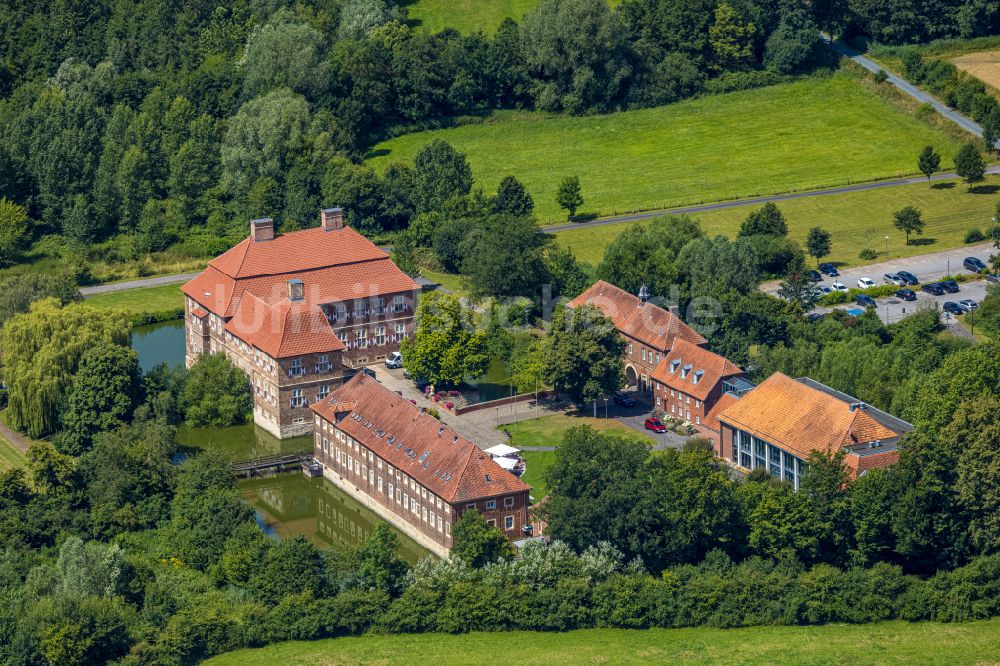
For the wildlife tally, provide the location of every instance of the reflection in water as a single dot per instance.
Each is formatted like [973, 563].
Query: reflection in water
[290, 504]
[242, 442]
[159, 343]
[493, 385]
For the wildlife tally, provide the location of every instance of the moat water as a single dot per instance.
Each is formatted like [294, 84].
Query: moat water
[287, 504]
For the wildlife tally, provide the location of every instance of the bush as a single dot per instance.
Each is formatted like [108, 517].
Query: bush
[216, 393]
[881, 76]
[974, 235]
[841, 297]
[868, 254]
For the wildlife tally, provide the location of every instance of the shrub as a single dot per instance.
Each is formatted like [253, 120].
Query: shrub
[974, 235]
[868, 254]
[881, 76]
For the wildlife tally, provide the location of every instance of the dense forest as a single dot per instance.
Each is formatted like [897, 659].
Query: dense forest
[128, 128]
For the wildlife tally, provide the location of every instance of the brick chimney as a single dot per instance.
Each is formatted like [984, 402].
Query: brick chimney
[262, 230]
[332, 219]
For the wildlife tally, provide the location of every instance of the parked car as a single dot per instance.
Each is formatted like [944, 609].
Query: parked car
[968, 304]
[865, 283]
[622, 398]
[906, 295]
[908, 277]
[865, 300]
[950, 286]
[993, 277]
[974, 264]
[823, 289]
[655, 424]
[814, 276]
[892, 278]
[953, 308]
[839, 286]
[394, 360]
[829, 270]
[934, 289]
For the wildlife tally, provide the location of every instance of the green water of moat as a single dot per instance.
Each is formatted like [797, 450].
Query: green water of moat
[159, 343]
[290, 504]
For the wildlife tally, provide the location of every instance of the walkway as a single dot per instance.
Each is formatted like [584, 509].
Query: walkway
[20, 442]
[136, 284]
[957, 117]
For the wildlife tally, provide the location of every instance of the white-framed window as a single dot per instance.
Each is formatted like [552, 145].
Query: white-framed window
[378, 304]
[491, 504]
[508, 522]
[398, 303]
[380, 336]
[630, 348]
[298, 400]
[360, 307]
[508, 502]
[343, 336]
[324, 390]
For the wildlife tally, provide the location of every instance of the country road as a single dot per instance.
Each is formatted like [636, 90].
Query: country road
[960, 119]
[135, 284]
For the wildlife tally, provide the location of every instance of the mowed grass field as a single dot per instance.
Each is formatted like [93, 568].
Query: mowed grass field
[10, 457]
[885, 643]
[144, 299]
[796, 136]
[856, 220]
[468, 16]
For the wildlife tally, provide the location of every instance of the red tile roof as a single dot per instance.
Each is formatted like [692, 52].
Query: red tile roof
[801, 419]
[334, 266]
[711, 419]
[454, 468]
[712, 368]
[286, 328]
[647, 323]
[200, 312]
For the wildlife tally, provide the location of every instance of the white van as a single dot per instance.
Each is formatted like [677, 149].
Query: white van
[394, 360]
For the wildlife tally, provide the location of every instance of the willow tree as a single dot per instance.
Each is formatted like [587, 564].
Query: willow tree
[41, 352]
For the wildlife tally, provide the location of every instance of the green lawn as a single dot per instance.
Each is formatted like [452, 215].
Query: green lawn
[548, 431]
[468, 16]
[802, 135]
[145, 299]
[10, 457]
[855, 220]
[883, 643]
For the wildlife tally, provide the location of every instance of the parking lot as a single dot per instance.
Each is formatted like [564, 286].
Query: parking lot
[892, 309]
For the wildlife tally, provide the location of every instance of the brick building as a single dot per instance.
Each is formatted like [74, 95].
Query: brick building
[783, 420]
[648, 329]
[410, 468]
[297, 312]
[690, 380]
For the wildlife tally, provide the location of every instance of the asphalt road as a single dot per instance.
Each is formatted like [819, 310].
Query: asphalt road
[916, 93]
[135, 284]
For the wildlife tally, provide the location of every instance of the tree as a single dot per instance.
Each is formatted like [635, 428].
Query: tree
[13, 231]
[284, 53]
[359, 18]
[51, 470]
[929, 162]
[977, 426]
[718, 266]
[798, 288]
[585, 354]
[18, 292]
[379, 563]
[445, 348]
[645, 255]
[512, 198]
[106, 388]
[505, 257]
[478, 543]
[908, 220]
[440, 173]
[825, 484]
[569, 195]
[731, 39]
[42, 350]
[818, 243]
[216, 393]
[768, 220]
[969, 165]
[569, 279]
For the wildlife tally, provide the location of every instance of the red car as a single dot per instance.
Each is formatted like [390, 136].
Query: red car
[655, 424]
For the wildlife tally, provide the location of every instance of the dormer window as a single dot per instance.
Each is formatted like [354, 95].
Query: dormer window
[296, 290]
[697, 376]
[685, 370]
[674, 364]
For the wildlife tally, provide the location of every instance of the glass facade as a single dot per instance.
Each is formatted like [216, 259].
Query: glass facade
[750, 452]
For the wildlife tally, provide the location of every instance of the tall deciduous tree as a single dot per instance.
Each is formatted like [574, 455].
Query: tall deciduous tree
[440, 173]
[512, 198]
[445, 348]
[106, 388]
[969, 165]
[818, 243]
[13, 231]
[216, 393]
[908, 220]
[504, 257]
[768, 220]
[569, 195]
[731, 38]
[929, 162]
[477, 542]
[42, 351]
[585, 354]
[284, 53]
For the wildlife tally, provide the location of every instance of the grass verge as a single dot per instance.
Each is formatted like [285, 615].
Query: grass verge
[10, 456]
[468, 16]
[160, 302]
[883, 643]
[807, 134]
[856, 220]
